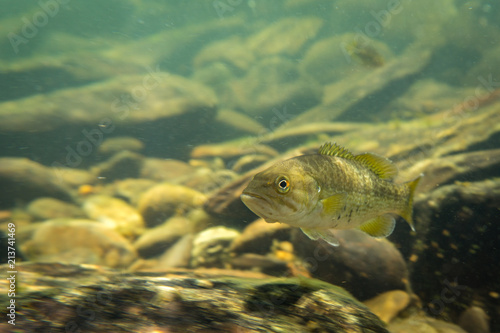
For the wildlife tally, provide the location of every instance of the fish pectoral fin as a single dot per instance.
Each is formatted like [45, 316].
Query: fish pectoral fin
[381, 226]
[334, 204]
[380, 165]
[325, 235]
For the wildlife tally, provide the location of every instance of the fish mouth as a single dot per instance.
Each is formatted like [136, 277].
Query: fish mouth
[250, 198]
[251, 194]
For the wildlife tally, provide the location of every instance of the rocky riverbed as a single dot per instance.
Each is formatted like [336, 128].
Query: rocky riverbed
[122, 165]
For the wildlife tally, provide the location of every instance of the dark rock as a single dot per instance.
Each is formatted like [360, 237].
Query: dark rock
[27, 180]
[95, 299]
[156, 240]
[474, 320]
[365, 266]
[456, 247]
[258, 237]
[165, 200]
[124, 164]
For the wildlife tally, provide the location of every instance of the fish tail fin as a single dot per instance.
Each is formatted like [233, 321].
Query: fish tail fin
[407, 212]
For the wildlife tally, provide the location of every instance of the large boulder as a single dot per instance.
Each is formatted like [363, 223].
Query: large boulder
[95, 299]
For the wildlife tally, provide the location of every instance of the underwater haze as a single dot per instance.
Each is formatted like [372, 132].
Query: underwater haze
[130, 129]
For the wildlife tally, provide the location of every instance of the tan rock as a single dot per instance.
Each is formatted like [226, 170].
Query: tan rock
[232, 51]
[389, 304]
[165, 169]
[231, 150]
[117, 144]
[286, 36]
[50, 208]
[79, 242]
[285, 94]
[420, 324]
[115, 213]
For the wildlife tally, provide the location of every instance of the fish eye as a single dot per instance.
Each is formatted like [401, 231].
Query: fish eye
[283, 184]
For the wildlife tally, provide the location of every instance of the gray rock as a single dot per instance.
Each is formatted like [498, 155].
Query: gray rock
[27, 180]
[164, 96]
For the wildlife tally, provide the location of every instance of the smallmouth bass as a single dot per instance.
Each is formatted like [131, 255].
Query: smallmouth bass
[332, 189]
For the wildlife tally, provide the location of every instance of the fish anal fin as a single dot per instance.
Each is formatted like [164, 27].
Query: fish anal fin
[381, 226]
[324, 234]
[380, 165]
[334, 203]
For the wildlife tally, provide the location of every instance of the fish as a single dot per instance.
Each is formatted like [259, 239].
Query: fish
[365, 53]
[332, 190]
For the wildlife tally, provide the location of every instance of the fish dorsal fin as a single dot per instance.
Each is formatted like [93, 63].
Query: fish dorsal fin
[381, 226]
[333, 149]
[380, 165]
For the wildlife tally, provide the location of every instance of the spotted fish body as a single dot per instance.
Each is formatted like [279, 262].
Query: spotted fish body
[333, 189]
